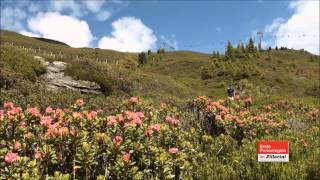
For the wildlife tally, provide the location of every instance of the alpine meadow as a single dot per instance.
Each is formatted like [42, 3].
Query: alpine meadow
[139, 104]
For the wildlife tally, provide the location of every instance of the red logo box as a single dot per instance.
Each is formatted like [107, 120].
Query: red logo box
[273, 151]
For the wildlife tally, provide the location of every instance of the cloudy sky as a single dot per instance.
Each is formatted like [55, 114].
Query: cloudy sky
[139, 25]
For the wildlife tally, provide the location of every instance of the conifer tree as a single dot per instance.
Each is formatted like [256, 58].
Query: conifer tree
[238, 52]
[251, 47]
[229, 51]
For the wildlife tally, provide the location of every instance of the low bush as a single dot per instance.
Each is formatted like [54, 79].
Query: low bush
[137, 141]
[18, 61]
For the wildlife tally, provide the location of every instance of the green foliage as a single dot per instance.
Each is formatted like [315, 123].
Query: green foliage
[16, 60]
[92, 72]
[230, 54]
[139, 141]
[251, 48]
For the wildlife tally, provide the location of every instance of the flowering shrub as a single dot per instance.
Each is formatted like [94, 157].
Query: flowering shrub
[90, 144]
[139, 141]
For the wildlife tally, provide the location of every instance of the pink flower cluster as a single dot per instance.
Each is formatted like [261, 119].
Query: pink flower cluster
[33, 111]
[134, 100]
[117, 140]
[79, 102]
[8, 105]
[173, 150]
[135, 118]
[151, 129]
[11, 157]
[126, 157]
[16, 146]
[172, 121]
[46, 121]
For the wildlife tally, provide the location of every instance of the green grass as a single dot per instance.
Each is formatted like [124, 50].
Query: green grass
[177, 76]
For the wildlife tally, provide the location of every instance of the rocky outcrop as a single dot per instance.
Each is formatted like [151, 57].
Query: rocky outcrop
[55, 78]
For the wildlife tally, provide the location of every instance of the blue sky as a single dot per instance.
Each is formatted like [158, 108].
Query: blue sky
[183, 25]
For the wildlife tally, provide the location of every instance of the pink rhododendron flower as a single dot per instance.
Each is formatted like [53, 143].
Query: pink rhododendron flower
[136, 121]
[134, 100]
[93, 114]
[135, 118]
[52, 126]
[17, 146]
[14, 111]
[58, 111]
[173, 150]
[155, 127]
[37, 155]
[140, 114]
[76, 115]
[216, 104]
[126, 157]
[46, 121]
[79, 102]
[63, 131]
[111, 121]
[148, 132]
[33, 111]
[223, 113]
[117, 140]
[120, 118]
[49, 110]
[237, 97]
[172, 121]
[222, 108]
[8, 105]
[11, 157]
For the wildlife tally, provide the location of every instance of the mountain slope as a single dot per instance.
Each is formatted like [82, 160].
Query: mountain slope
[178, 76]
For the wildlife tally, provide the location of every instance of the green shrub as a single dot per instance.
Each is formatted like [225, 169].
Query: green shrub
[91, 72]
[18, 61]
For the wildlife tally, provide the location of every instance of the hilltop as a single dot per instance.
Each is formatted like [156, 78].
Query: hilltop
[174, 76]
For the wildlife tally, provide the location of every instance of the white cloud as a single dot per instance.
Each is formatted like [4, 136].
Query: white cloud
[301, 30]
[94, 5]
[11, 18]
[129, 34]
[30, 34]
[70, 30]
[103, 15]
[274, 26]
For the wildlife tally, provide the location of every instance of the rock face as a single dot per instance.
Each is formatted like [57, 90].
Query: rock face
[55, 78]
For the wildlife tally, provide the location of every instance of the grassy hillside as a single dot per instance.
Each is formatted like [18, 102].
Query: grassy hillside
[125, 132]
[180, 75]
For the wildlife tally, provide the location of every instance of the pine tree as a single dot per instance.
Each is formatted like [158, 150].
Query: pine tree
[230, 51]
[238, 52]
[251, 48]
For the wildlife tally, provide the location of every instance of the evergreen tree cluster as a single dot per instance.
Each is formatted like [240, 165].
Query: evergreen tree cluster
[241, 51]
